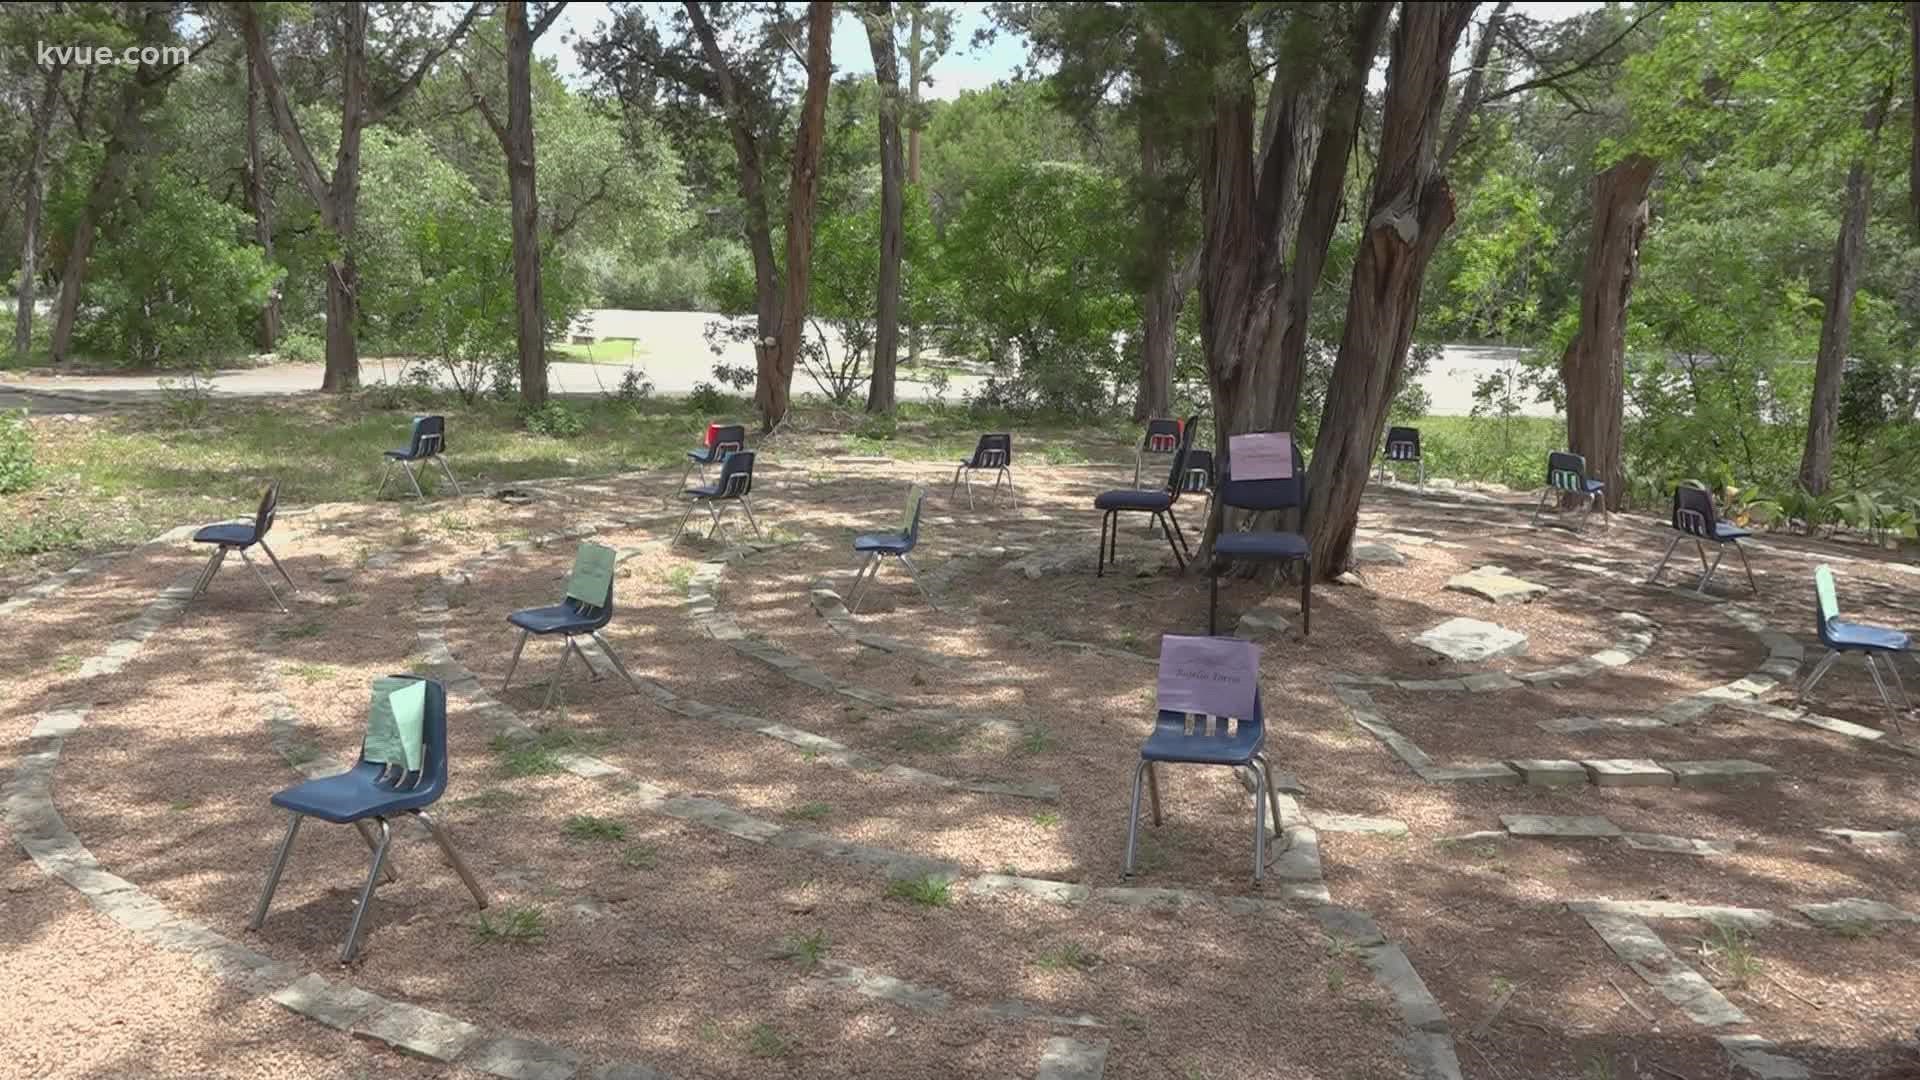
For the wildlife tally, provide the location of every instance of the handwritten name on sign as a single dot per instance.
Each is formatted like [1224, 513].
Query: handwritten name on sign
[1216, 676]
[1263, 455]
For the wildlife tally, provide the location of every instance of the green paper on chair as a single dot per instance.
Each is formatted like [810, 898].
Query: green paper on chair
[395, 723]
[592, 580]
[914, 494]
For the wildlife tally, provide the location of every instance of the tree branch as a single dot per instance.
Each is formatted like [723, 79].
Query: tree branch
[562, 226]
[546, 20]
[283, 118]
[378, 110]
[1470, 95]
[1591, 59]
[486, 111]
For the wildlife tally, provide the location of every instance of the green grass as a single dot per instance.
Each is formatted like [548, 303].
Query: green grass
[927, 890]
[312, 673]
[813, 811]
[1047, 819]
[1728, 950]
[1068, 956]
[805, 950]
[538, 756]
[588, 827]
[613, 350]
[1036, 739]
[640, 856]
[767, 1041]
[490, 800]
[68, 664]
[679, 577]
[518, 924]
[300, 631]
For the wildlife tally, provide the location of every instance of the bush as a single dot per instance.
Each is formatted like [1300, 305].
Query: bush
[554, 420]
[301, 347]
[17, 471]
[706, 398]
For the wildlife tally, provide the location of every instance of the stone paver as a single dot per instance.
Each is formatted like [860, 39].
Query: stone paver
[1636, 943]
[1627, 772]
[1853, 911]
[1747, 918]
[1072, 1059]
[1472, 640]
[1378, 553]
[1495, 583]
[1870, 838]
[1548, 825]
[335, 1006]
[1711, 773]
[1678, 845]
[1550, 773]
[417, 1031]
[1754, 1057]
[1565, 725]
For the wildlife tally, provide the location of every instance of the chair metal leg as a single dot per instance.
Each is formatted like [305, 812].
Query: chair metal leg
[1177, 557]
[1752, 584]
[746, 503]
[453, 856]
[1139, 456]
[415, 480]
[385, 475]
[1133, 819]
[691, 503]
[1013, 496]
[515, 662]
[277, 566]
[263, 580]
[1273, 795]
[273, 873]
[366, 893]
[1873, 668]
[1259, 826]
[915, 575]
[969, 482]
[1708, 576]
[715, 511]
[1819, 671]
[1306, 597]
[855, 593]
[1106, 520]
[1662, 565]
[559, 673]
[366, 837]
[448, 469]
[1541, 505]
[1183, 536]
[618, 665]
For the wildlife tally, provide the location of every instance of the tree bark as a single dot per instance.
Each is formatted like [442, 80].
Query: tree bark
[1836, 328]
[776, 365]
[530, 324]
[916, 71]
[886, 342]
[1411, 207]
[1593, 365]
[30, 214]
[101, 195]
[260, 204]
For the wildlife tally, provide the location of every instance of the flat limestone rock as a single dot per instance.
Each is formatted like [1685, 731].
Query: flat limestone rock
[1496, 584]
[1549, 825]
[1677, 845]
[1870, 837]
[1546, 773]
[1564, 725]
[1628, 772]
[1384, 554]
[1709, 773]
[1853, 911]
[1472, 640]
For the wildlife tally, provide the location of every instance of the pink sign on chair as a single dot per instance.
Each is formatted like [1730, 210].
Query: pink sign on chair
[1210, 675]
[1262, 455]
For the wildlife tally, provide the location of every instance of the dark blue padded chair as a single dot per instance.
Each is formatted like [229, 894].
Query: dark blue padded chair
[1199, 479]
[427, 443]
[1840, 636]
[726, 440]
[1286, 548]
[374, 792]
[877, 547]
[993, 453]
[1157, 503]
[1694, 516]
[1402, 445]
[570, 618]
[734, 486]
[239, 537]
[1183, 739]
[1567, 476]
[1162, 437]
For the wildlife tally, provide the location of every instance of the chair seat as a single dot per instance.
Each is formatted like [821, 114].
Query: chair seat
[1260, 545]
[352, 796]
[704, 491]
[1126, 499]
[558, 619]
[1724, 532]
[404, 454]
[703, 456]
[1846, 635]
[884, 543]
[1594, 486]
[1170, 742]
[227, 535]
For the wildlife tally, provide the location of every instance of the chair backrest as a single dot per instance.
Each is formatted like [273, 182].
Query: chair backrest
[269, 506]
[429, 436]
[736, 475]
[1565, 471]
[1177, 473]
[910, 517]
[728, 438]
[1693, 510]
[1199, 474]
[1826, 601]
[1248, 726]
[1403, 444]
[992, 451]
[1163, 435]
[1264, 494]
[431, 778]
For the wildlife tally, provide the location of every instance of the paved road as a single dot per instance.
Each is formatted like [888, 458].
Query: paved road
[669, 350]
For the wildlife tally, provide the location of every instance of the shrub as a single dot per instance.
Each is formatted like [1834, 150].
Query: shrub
[555, 420]
[706, 398]
[17, 470]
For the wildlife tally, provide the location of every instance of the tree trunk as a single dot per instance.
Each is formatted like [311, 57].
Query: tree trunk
[1593, 365]
[105, 190]
[916, 71]
[1159, 321]
[1411, 207]
[1849, 254]
[530, 324]
[259, 203]
[886, 342]
[30, 213]
[776, 368]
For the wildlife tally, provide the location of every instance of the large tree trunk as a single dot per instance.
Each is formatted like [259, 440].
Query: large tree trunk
[1849, 254]
[105, 190]
[260, 205]
[1593, 367]
[30, 213]
[916, 72]
[530, 324]
[776, 370]
[886, 342]
[1410, 209]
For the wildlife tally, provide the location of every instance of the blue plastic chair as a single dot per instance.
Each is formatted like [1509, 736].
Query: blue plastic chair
[1286, 548]
[1190, 739]
[374, 792]
[1158, 503]
[1567, 474]
[875, 547]
[726, 440]
[239, 537]
[1403, 445]
[993, 453]
[427, 443]
[735, 485]
[570, 618]
[1162, 437]
[1694, 516]
[1840, 637]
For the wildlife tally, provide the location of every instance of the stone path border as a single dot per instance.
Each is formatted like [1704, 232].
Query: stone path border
[1630, 646]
